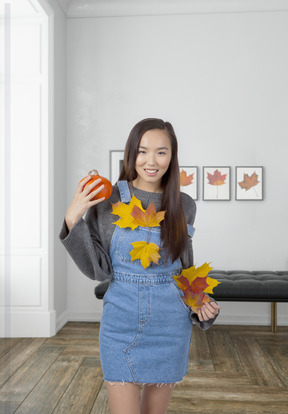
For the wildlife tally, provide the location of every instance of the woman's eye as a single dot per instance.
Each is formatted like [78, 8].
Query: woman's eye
[161, 153]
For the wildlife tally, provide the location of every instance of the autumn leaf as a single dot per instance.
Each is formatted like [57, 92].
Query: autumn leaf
[148, 218]
[216, 178]
[146, 252]
[185, 179]
[195, 299]
[249, 182]
[195, 283]
[124, 212]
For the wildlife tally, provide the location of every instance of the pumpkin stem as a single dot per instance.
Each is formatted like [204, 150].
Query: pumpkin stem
[93, 172]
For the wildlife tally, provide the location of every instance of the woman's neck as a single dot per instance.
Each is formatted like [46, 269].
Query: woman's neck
[144, 186]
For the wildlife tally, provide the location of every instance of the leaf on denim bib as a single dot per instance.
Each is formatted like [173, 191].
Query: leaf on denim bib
[124, 212]
[146, 252]
[147, 218]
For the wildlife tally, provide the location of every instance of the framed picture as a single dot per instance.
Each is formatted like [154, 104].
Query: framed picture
[216, 183]
[249, 183]
[189, 181]
[116, 162]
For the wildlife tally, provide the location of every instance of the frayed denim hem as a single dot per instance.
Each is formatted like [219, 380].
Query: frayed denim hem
[159, 385]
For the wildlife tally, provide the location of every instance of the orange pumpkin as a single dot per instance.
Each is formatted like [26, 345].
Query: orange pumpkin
[106, 191]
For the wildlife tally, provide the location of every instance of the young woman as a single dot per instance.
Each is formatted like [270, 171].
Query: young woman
[146, 327]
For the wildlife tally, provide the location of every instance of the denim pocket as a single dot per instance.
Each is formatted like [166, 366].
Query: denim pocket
[179, 297]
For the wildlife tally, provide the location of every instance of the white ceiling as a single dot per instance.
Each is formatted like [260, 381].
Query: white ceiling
[98, 8]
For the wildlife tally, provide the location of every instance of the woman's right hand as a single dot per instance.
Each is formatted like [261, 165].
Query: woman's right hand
[82, 201]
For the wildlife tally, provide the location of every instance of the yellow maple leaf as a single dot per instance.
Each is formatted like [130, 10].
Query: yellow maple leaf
[147, 218]
[124, 212]
[188, 276]
[146, 252]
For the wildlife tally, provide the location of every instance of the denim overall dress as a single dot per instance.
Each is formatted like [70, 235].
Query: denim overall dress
[145, 328]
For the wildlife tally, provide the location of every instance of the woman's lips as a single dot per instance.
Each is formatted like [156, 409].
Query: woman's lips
[151, 171]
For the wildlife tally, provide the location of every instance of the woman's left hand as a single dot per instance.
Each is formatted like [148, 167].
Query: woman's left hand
[208, 311]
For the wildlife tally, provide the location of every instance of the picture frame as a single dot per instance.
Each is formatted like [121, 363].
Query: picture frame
[217, 183]
[249, 183]
[189, 181]
[116, 162]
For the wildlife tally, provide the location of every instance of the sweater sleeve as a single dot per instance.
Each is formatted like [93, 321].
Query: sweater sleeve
[84, 245]
[188, 259]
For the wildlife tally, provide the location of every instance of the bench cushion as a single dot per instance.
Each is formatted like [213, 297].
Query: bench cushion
[261, 286]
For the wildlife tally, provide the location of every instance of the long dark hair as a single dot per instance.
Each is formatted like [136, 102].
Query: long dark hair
[173, 228]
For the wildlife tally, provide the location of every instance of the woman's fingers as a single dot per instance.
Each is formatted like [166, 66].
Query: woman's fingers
[95, 192]
[208, 311]
[86, 189]
[82, 183]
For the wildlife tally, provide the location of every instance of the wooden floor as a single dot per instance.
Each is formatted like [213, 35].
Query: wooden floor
[232, 370]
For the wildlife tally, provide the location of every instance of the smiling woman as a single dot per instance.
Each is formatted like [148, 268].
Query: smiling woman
[153, 160]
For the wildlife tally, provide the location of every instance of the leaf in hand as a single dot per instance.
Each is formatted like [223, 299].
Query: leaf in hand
[185, 179]
[195, 299]
[216, 178]
[124, 212]
[194, 283]
[249, 182]
[146, 252]
[148, 218]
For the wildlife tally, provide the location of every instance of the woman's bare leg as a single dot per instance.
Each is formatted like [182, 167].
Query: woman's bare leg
[155, 398]
[123, 398]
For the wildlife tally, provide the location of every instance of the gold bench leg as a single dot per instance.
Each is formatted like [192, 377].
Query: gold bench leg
[274, 316]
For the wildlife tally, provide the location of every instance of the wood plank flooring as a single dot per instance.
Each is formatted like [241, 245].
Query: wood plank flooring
[232, 370]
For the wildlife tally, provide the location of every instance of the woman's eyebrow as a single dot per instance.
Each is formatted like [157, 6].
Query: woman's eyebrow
[160, 148]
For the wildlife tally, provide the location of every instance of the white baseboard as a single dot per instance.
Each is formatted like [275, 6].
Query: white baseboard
[62, 320]
[27, 323]
[85, 316]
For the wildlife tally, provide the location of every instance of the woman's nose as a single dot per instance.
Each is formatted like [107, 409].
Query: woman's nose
[151, 159]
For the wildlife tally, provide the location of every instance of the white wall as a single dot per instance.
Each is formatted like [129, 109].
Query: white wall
[59, 161]
[221, 80]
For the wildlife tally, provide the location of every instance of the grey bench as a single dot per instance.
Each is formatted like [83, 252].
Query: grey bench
[245, 286]
[242, 286]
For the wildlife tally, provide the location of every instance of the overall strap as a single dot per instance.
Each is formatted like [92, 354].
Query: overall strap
[124, 191]
[191, 230]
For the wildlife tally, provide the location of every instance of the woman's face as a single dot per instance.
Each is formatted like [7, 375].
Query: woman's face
[153, 160]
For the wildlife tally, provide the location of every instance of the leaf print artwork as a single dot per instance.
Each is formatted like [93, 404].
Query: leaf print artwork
[189, 181]
[217, 183]
[249, 183]
[217, 178]
[186, 179]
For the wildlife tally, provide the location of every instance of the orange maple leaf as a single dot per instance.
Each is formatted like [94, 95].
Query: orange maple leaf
[147, 218]
[216, 178]
[194, 282]
[249, 182]
[195, 299]
[185, 179]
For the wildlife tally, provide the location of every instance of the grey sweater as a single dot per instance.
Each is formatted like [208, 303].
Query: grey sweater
[88, 242]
